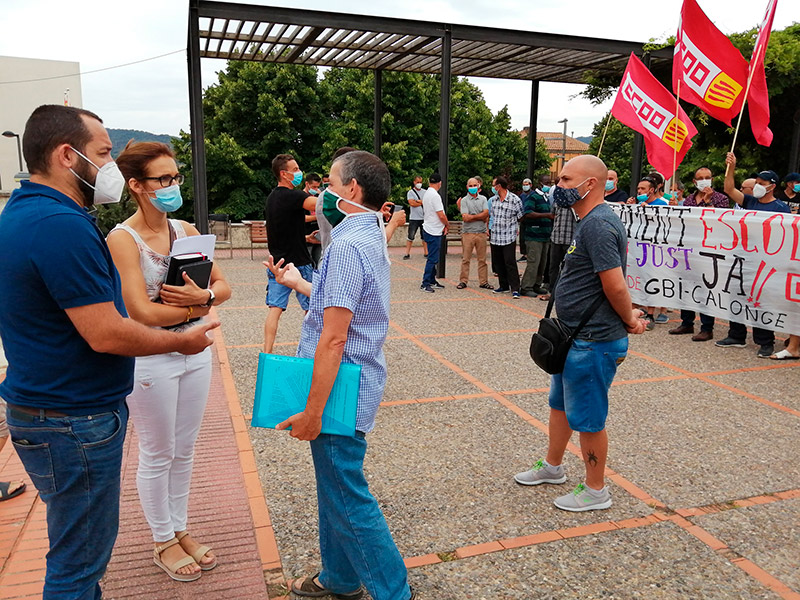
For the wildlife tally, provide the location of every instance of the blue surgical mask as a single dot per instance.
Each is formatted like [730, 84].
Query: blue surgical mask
[796, 187]
[167, 199]
[609, 185]
[545, 188]
[526, 188]
[566, 197]
[472, 190]
[297, 178]
[641, 197]
[313, 192]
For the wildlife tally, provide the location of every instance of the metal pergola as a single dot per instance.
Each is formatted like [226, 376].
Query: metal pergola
[294, 36]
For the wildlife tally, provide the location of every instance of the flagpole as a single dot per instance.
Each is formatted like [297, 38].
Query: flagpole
[605, 131]
[744, 102]
[675, 147]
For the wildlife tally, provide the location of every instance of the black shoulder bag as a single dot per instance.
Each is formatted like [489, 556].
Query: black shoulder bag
[551, 343]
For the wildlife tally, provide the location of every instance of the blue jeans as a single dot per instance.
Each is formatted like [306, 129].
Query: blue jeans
[434, 244]
[75, 463]
[581, 391]
[354, 540]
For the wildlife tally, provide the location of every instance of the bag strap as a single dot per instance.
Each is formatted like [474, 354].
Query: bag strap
[586, 316]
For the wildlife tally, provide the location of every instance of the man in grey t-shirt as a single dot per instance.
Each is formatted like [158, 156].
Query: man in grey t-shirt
[594, 266]
[474, 214]
[415, 217]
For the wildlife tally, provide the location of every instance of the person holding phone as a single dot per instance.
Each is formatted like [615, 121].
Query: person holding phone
[170, 390]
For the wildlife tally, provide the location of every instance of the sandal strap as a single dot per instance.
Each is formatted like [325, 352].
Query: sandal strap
[181, 535]
[169, 544]
[180, 563]
[200, 553]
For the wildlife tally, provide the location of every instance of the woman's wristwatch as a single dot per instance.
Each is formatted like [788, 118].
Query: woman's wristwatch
[211, 298]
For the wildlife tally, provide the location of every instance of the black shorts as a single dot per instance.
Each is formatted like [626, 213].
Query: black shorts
[414, 225]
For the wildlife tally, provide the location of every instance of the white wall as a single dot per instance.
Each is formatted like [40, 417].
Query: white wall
[18, 100]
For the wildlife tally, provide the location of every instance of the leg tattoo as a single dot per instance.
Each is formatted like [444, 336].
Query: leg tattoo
[591, 458]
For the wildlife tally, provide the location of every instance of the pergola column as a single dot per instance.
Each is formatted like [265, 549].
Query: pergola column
[378, 111]
[196, 125]
[532, 126]
[444, 134]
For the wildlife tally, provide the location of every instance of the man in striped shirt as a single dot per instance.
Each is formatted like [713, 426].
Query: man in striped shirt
[505, 213]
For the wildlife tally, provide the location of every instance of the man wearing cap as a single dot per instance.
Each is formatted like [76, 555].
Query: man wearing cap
[790, 194]
[706, 197]
[763, 198]
[613, 193]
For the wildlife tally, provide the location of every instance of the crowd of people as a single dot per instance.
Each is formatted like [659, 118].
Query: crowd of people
[77, 307]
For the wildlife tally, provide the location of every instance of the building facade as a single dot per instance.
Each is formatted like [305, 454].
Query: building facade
[26, 83]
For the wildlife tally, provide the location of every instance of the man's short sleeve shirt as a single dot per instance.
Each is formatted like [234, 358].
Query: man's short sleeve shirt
[752, 203]
[354, 274]
[506, 214]
[416, 211]
[537, 230]
[473, 205]
[431, 205]
[717, 200]
[55, 258]
[600, 244]
[286, 226]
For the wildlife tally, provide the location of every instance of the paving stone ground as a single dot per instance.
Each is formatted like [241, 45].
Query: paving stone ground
[701, 467]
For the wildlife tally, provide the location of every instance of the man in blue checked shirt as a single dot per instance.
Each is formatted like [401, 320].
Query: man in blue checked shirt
[347, 321]
[505, 213]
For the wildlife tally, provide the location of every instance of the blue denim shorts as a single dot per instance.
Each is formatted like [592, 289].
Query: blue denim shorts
[581, 391]
[278, 295]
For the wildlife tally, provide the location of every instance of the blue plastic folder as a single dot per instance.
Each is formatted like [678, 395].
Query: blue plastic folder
[282, 387]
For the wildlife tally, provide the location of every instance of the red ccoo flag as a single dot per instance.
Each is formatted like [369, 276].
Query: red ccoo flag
[758, 99]
[711, 71]
[646, 106]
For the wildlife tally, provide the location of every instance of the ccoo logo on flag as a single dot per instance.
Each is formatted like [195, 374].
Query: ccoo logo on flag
[704, 77]
[655, 118]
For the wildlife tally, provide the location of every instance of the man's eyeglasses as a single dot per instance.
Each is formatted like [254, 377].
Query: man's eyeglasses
[166, 180]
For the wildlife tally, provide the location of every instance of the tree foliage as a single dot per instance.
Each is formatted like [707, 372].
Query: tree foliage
[258, 110]
[714, 138]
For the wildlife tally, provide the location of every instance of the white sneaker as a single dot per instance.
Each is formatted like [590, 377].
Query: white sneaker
[541, 473]
[581, 499]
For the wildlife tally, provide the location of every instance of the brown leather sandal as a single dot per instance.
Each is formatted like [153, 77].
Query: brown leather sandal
[310, 589]
[199, 553]
[172, 569]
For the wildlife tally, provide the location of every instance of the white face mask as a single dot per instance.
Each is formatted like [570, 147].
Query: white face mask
[109, 183]
[759, 191]
[703, 184]
[418, 186]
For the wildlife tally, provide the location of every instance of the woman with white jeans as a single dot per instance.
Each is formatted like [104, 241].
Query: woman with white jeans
[170, 390]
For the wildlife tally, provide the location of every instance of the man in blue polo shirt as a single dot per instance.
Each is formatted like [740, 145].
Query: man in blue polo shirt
[69, 342]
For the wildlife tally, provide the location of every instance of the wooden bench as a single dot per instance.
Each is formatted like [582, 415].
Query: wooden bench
[258, 233]
[454, 229]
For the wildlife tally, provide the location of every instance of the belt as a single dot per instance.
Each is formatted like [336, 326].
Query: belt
[34, 412]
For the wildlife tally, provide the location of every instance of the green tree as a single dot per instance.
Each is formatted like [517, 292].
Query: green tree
[258, 110]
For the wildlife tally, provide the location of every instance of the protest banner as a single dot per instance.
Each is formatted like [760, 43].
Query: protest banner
[739, 265]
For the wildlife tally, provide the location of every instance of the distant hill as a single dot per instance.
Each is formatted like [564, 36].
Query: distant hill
[120, 137]
[586, 139]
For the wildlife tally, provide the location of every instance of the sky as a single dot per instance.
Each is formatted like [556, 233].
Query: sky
[153, 95]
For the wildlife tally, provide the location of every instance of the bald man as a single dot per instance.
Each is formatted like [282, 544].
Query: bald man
[612, 191]
[747, 186]
[593, 267]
